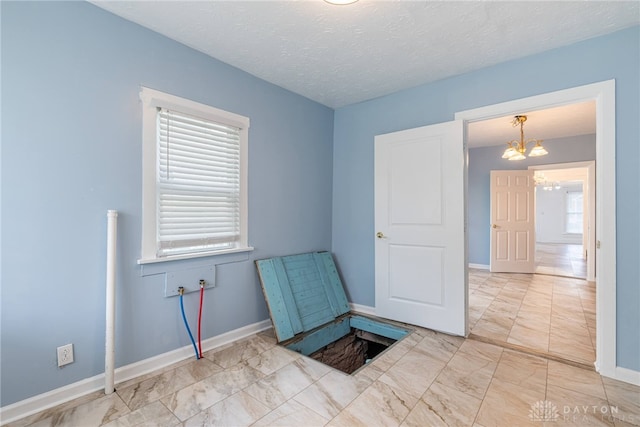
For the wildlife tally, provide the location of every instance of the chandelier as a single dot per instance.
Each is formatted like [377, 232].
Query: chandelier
[516, 149]
[542, 182]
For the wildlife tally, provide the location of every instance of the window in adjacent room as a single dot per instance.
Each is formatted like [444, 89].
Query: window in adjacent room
[573, 212]
[194, 179]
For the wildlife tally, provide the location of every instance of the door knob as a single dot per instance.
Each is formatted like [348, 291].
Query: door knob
[380, 235]
[494, 226]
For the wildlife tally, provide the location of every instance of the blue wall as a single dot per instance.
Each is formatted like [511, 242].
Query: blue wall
[485, 159]
[71, 150]
[615, 56]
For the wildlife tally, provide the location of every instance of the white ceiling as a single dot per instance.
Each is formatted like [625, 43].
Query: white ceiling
[340, 55]
[564, 176]
[558, 122]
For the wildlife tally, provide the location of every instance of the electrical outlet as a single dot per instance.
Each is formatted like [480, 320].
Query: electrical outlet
[65, 355]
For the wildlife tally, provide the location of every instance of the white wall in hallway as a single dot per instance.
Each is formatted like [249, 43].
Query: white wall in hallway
[550, 216]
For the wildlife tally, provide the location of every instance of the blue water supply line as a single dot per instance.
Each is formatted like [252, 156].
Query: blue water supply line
[186, 324]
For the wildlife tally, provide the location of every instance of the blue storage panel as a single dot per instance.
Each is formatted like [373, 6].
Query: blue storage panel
[302, 292]
[315, 340]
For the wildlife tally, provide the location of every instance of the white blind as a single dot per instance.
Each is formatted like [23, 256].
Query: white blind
[198, 184]
[573, 223]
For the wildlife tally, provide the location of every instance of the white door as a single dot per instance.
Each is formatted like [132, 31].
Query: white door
[513, 241]
[420, 248]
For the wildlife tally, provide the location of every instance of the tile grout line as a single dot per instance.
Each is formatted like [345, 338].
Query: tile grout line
[516, 315]
[484, 395]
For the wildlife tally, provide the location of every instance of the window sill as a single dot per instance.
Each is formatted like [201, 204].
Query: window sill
[144, 261]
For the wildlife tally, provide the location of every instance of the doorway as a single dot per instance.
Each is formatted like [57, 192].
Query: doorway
[603, 94]
[544, 315]
[561, 249]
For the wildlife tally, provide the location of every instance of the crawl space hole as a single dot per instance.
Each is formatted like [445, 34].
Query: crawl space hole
[311, 315]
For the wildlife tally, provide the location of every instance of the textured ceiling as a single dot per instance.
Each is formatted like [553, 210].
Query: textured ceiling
[340, 55]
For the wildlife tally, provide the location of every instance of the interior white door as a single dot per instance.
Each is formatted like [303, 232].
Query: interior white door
[513, 240]
[420, 248]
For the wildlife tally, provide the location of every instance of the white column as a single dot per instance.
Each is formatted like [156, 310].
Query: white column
[110, 353]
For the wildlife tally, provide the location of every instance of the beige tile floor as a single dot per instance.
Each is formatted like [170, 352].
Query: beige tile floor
[560, 260]
[548, 314]
[426, 379]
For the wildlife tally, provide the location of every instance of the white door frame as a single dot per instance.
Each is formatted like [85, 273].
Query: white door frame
[603, 93]
[591, 214]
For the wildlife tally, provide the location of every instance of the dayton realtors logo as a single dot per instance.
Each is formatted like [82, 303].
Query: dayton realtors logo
[544, 411]
[547, 411]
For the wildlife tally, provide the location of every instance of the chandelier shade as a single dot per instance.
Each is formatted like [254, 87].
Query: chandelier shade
[340, 2]
[516, 149]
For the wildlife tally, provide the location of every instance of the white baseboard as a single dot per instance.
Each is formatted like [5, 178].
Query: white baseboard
[364, 309]
[627, 375]
[479, 266]
[52, 398]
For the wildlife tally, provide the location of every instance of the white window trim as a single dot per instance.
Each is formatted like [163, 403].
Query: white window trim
[151, 101]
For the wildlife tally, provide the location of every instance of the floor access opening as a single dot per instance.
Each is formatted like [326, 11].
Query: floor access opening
[348, 343]
[311, 315]
[353, 351]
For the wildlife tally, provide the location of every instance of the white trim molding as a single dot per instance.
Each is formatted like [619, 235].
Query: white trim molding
[603, 93]
[50, 399]
[627, 375]
[363, 309]
[479, 266]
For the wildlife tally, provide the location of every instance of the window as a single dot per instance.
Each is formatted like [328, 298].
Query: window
[573, 212]
[194, 179]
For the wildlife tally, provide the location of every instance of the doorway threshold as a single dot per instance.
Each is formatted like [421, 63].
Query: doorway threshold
[533, 352]
[561, 275]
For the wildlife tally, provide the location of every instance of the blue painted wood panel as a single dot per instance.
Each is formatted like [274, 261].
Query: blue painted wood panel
[308, 290]
[378, 328]
[317, 339]
[302, 291]
[331, 283]
[282, 324]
